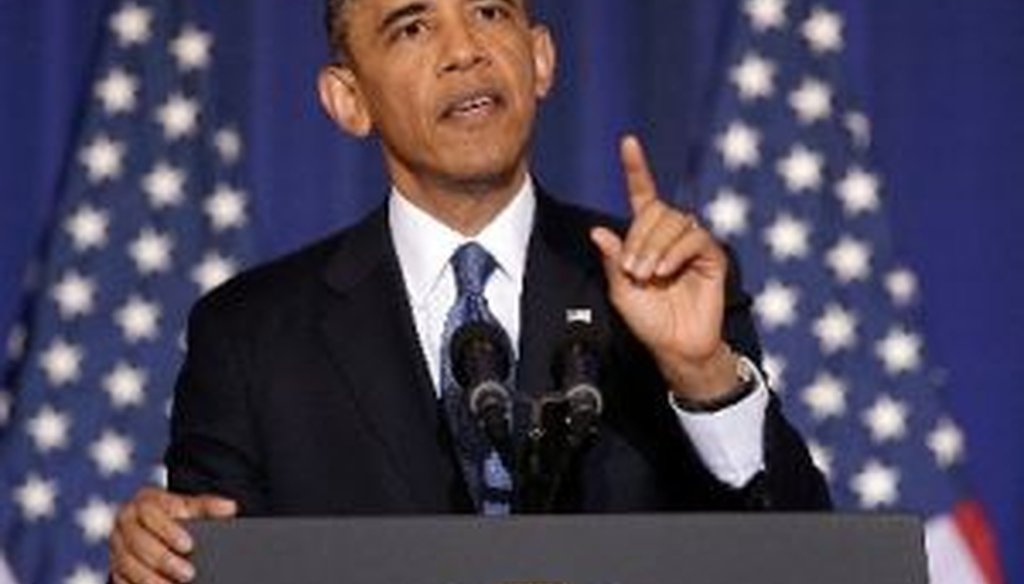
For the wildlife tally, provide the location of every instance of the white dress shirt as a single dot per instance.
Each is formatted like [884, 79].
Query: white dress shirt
[729, 441]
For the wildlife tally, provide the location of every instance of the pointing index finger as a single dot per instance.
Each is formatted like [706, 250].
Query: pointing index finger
[639, 181]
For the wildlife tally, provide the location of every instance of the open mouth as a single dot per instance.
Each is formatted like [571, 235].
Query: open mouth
[473, 105]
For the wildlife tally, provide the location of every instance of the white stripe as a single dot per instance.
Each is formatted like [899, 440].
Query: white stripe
[6, 577]
[950, 560]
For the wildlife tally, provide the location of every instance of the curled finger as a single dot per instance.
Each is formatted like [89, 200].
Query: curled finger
[167, 528]
[695, 246]
[653, 250]
[139, 544]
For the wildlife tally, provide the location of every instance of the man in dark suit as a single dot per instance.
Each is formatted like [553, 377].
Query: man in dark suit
[316, 384]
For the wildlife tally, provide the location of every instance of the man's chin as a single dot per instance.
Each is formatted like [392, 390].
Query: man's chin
[484, 179]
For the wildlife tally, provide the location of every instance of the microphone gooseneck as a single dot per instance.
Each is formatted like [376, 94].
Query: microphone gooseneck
[577, 371]
[481, 360]
[565, 420]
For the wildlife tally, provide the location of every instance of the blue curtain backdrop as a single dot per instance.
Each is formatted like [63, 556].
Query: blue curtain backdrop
[942, 80]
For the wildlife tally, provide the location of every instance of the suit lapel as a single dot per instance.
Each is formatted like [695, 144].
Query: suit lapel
[562, 274]
[369, 330]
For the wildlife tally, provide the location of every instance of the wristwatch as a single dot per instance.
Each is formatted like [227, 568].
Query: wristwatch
[747, 376]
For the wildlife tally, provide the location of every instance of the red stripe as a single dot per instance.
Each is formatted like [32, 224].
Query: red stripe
[970, 520]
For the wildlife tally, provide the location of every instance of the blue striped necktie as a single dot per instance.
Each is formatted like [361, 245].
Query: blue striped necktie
[490, 483]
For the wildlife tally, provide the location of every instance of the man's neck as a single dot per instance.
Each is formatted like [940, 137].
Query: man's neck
[465, 207]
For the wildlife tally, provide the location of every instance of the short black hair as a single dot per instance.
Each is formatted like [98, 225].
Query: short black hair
[334, 23]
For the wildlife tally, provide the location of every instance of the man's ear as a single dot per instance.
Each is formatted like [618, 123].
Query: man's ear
[545, 58]
[342, 99]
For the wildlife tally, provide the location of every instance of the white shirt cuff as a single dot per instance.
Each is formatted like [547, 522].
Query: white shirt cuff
[731, 441]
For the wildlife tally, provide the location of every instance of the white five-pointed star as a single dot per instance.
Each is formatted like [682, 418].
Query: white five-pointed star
[858, 191]
[228, 144]
[179, 117]
[822, 458]
[788, 238]
[946, 442]
[117, 91]
[96, 519]
[132, 24]
[225, 208]
[823, 31]
[776, 305]
[900, 351]
[37, 498]
[62, 362]
[859, 127]
[877, 485]
[825, 397]
[213, 271]
[164, 185]
[801, 169]
[836, 329]
[151, 251]
[85, 575]
[886, 419]
[111, 453]
[87, 227]
[850, 260]
[902, 286]
[754, 77]
[728, 213]
[739, 146]
[138, 319]
[191, 49]
[812, 101]
[49, 429]
[775, 368]
[103, 159]
[125, 385]
[766, 14]
[74, 294]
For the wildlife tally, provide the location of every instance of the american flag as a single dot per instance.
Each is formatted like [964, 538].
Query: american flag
[789, 184]
[151, 214]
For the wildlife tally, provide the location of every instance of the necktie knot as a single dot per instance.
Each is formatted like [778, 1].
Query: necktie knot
[472, 265]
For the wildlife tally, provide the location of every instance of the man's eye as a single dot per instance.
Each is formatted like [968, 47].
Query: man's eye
[493, 12]
[410, 30]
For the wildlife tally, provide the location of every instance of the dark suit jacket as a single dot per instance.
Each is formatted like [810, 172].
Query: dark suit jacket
[305, 391]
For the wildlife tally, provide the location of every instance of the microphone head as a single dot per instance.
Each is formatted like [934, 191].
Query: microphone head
[480, 351]
[489, 396]
[585, 399]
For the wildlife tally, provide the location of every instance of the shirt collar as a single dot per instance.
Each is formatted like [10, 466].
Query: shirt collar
[424, 245]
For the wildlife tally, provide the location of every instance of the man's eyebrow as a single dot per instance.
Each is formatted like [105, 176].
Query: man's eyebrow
[399, 13]
[511, 4]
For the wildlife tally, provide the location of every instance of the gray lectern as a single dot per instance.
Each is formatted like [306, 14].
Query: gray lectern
[581, 549]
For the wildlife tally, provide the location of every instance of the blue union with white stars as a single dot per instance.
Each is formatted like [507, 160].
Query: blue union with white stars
[151, 215]
[789, 185]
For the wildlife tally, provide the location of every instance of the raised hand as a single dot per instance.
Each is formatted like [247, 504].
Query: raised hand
[667, 280]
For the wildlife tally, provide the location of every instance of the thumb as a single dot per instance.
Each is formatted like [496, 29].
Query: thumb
[610, 245]
[211, 506]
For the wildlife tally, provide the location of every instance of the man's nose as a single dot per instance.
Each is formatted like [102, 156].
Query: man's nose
[462, 48]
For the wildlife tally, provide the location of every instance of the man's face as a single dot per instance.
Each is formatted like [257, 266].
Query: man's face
[451, 86]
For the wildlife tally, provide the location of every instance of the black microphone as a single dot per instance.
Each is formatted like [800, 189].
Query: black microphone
[577, 370]
[481, 359]
[570, 417]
